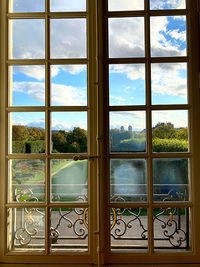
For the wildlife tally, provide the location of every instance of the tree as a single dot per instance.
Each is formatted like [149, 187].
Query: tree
[19, 132]
[164, 131]
[182, 134]
[59, 141]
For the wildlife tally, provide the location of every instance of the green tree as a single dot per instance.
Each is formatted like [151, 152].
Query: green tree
[182, 134]
[19, 132]
[164, 131]
[59, 141]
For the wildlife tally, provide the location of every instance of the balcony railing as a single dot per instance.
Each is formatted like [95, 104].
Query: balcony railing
[69, 227]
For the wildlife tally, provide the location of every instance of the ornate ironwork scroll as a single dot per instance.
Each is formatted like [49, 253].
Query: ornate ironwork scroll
[68, 225]
[128, 224]
[171, 227]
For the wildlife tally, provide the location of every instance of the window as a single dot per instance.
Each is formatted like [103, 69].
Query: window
[99, 132]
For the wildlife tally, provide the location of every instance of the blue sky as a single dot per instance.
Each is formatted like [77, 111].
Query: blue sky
[126, 81]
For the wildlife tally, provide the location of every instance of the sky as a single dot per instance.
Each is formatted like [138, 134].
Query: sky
[126, 81]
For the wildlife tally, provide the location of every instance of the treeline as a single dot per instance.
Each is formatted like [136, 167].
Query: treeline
[165, 138]
[28, 139]
[74, 141]
[32, 140]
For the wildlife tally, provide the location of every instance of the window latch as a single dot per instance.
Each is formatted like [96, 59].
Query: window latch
[83, 157]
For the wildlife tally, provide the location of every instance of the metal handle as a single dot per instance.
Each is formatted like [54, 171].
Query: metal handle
[82, 157]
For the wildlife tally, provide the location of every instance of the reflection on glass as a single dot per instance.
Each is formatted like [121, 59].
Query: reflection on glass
[128, 180]
[27, 38]
[168, 36]
[126, 37]
[67, 5]
[28, 132]
[123, 5]
[128, 227]
[169, 83]
[170, 178]
[27, 85]
[69, 229]
[68, 38]
[26, 229]
[127, 84]
[69, 132]
[26, 6]
[170, 131]
[127, 131]
[69, 180]
[27, 181]
[170, 4]
[171, 229]
[68, 85]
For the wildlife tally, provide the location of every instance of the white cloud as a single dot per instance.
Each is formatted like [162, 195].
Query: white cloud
[61, 125]
[176, 34]
[126, 37]
[61, 94]
[160, 4]
[36, 90]
[122, 5]
[56, 5]
[28, 6]
[132, 71]
[68, 38]
[74, 69]
[28, 38]
[67, 5]
[168, 79]
[33, 71]
[68, 95]
[160, 44]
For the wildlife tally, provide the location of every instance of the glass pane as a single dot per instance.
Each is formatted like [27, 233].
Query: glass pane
[26, 6]
[128, 180]
[27, 180]
[170, 131]
[68, 38]
[171, 229]
[122, 5]
[69, 229]
[68, 85]
[171, 180]
[168, 36]
[26, 38]
[128, 228]
[69, 180]
[127, 84]
[169, 4]
[67, 5]
[27, 85]
[126, 37]
[26, 229]
[69, 132]
[28, 132]
[169, 83]
[127, 131]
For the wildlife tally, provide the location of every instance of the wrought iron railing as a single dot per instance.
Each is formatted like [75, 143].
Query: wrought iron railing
[69, 227]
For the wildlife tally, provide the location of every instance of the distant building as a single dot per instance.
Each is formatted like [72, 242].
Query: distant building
[122, 128]
[130, 128]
